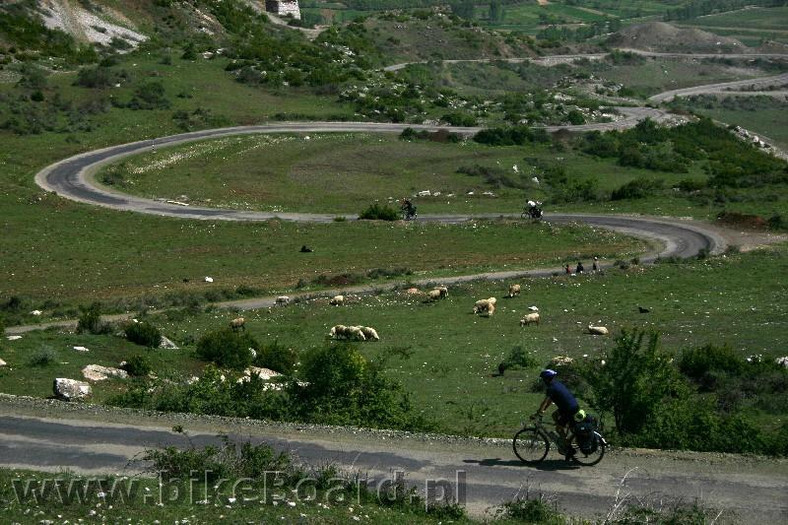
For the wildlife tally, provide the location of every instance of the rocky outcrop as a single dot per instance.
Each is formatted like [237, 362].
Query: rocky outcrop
[100, 373]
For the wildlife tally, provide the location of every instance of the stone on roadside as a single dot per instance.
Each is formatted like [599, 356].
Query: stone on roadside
[70, 389]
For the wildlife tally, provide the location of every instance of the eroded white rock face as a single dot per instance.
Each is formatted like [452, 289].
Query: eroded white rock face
[85, 25]
[70, 389]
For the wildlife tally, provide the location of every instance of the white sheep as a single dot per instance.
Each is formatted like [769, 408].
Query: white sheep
[337, 300]
[533, 317]
[370, 333]
[433, 295]
[283, 300]
[782, 361]
[598, 330]
[337, 331]
[239, 323]
[485, 306]
[355, 333]
[514, 290]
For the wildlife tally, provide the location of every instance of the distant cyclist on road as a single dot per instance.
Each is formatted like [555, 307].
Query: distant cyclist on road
[564, 401]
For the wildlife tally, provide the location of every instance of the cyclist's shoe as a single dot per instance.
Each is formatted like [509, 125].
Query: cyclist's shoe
[569, 454]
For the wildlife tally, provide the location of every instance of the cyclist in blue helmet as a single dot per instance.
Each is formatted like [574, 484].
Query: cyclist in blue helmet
[564, 401]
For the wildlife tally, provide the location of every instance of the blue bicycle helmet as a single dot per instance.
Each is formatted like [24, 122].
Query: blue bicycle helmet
[548, 374]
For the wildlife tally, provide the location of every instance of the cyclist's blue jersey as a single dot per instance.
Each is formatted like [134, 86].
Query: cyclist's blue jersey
[562, 397]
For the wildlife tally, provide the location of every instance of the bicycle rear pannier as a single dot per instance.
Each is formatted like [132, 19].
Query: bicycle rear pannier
[584, 434]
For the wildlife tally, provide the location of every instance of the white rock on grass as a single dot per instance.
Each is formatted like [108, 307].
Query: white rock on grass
[70, 389]
[167, 344]
[100, 373]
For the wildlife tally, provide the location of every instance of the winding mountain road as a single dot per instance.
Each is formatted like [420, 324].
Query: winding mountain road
[49, 435]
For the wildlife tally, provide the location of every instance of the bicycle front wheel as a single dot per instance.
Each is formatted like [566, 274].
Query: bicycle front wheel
[530, 445]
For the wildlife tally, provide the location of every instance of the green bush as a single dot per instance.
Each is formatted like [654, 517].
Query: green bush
[277, 357]
[90, 320]
[378, 212]
[635, 381]
[43, 357]
[531, 510]
[137, 366]
[637, 189]
[227, 348]
[143, 333]
[341, 387]
[705, 363]
[517, 359]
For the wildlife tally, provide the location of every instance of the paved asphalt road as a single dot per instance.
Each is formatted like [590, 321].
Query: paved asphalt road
[51, 436]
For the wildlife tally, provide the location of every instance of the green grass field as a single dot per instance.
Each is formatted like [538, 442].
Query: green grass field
[445, 356]
[331, 173]
[755, 24]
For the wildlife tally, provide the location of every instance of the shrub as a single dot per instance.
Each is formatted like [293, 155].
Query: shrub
[90, 320]
[635, 381]
[277, 357]
[150, 95]
[342, 387]
[227, 348]
[144, 333]
[636, 189]
[378, 212]
[700, 364]
[137, 366]
[517, 358]
[45, 356]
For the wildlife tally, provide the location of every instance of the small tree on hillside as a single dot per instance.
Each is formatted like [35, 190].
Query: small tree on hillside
[636, 379]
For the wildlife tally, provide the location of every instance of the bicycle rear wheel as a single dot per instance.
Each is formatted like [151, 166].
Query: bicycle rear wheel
[593, 457]
[530, 445]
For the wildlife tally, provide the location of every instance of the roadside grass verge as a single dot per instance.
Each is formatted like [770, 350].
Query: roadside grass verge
[447, 358]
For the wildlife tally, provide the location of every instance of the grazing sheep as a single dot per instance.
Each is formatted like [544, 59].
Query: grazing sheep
[514, 290]
[530, 318]
[485, 306]
[598, 330]
[239, 323]
[444, 292]
[782, 361]
[337, 331]
[337, 300]
[283, 300]
[433, 295]
[355, 333]
[370, 333]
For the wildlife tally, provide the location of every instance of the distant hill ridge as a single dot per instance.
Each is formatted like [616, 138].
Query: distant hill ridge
[663, 37]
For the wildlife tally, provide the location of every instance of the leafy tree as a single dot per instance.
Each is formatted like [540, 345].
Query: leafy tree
[636, 379]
